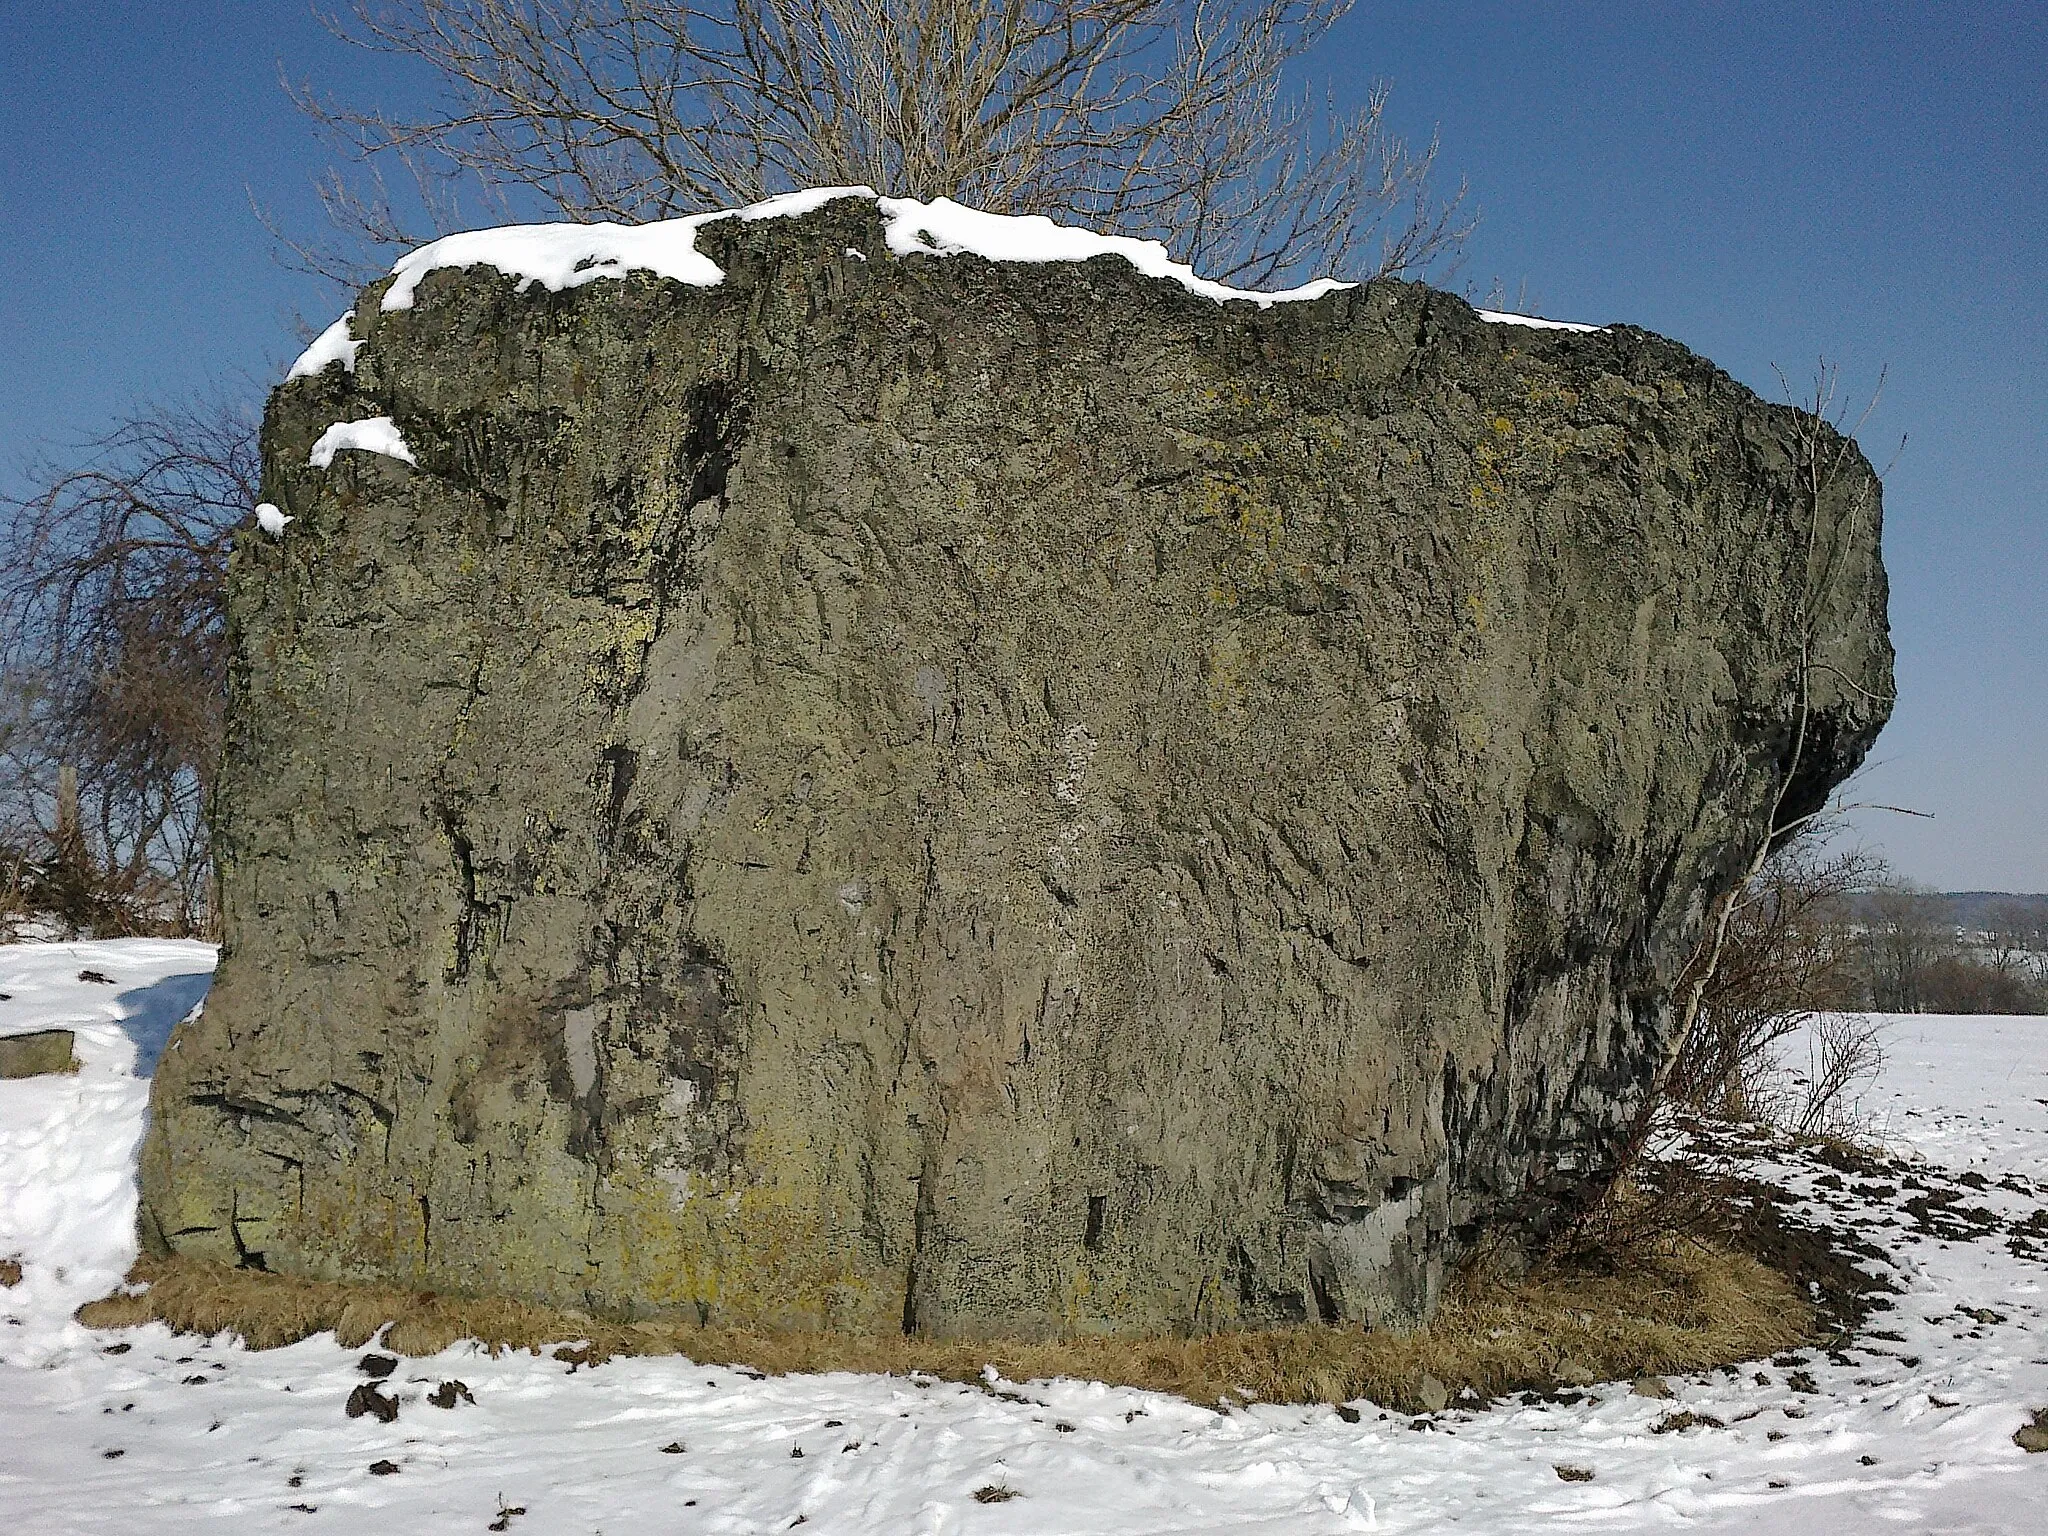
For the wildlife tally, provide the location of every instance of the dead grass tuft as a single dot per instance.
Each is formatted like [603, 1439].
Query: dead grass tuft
[1674, 1306]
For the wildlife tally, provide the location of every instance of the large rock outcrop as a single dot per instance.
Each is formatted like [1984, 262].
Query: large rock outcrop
[906, 790]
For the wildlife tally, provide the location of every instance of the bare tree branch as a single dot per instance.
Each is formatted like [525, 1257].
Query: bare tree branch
[1167, 119]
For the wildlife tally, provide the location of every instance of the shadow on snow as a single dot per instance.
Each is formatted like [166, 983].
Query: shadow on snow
[150, 1013]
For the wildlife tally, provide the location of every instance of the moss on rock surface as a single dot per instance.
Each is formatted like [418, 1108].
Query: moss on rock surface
[983, 797]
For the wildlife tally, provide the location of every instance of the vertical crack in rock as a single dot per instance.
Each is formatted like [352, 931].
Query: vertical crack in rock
[467, 910]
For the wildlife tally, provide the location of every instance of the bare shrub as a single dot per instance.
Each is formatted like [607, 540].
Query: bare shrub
[1677, 1192]
[112, 669]
[1790, 964]
[1170, 119]
[1788, 952]
[1958, 982]
[1845, 1053]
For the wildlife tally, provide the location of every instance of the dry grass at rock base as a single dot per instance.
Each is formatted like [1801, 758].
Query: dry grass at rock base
[1687, 1306]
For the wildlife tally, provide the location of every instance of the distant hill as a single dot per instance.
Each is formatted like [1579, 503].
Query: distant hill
[1976, 909]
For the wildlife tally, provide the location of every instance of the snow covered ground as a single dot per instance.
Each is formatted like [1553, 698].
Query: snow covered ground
[1907, 1429]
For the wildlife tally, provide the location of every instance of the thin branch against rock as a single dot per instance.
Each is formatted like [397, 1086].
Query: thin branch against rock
[1165, 119]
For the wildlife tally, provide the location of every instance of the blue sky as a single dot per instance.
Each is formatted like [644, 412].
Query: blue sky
[1770, 184]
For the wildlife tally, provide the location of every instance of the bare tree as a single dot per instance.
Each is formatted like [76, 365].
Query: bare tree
[1902, 940]
[112, 667]
[1170, 119]
[2016, 943]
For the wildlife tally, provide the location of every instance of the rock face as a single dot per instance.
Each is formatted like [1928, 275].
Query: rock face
[907, 791]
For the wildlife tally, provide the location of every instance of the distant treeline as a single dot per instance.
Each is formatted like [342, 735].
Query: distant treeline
[1905, 950]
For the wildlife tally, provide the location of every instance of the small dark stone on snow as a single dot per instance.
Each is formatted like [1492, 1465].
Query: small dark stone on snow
[99, 976]
[1575, 1373]
[1064, 1427]
[1673, 1423]
[113, 1455]
[377, 1367]
[37, 1054]
[383, 1468]
[2033, 1436]
[197, 1381]
[1802, 1381]
[117, 1349]
[1347, 1414]
[1571, 1474]
[447, 1394]
[1866, 1461]
[367, 1399]
[674, 1448]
